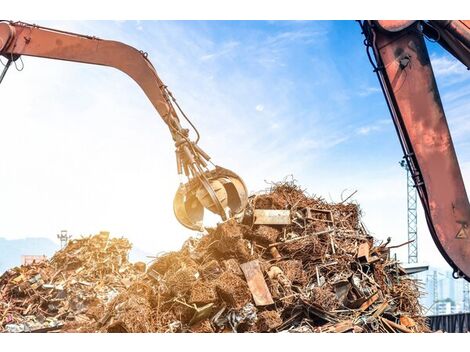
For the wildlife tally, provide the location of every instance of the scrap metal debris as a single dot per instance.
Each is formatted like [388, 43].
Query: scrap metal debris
[292, 263]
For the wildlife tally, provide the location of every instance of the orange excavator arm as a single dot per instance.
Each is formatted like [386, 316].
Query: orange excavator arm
[218, 190]
[401, 61]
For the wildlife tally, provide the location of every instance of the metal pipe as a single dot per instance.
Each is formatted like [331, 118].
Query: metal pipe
[5, 69]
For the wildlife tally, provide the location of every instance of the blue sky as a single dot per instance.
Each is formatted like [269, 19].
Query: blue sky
[83, 149]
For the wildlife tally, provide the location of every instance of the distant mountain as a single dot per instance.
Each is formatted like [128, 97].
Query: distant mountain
[12, 250]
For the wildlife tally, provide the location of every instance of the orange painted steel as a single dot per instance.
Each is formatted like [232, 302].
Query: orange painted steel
[394, 25]
[30, 40]
[407, 78]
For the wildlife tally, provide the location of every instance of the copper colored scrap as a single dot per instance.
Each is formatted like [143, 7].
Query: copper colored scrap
[328, 274]
[254, 278]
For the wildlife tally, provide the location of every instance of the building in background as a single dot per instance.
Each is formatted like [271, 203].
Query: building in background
[443, 294]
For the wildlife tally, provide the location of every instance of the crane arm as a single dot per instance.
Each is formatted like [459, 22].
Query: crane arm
[405, 73]
[18, 38]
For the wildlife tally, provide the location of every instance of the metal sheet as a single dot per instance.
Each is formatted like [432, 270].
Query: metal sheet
[256, 283]
[450, 323]
[363, 252]
[271, 217]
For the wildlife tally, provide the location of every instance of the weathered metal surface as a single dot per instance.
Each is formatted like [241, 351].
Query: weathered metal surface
[343, 326]
[256, 283]
[201, 313]
[450, 322]
[191, 198]
[395, 326]
[271, 217]
[410, 88]
[342, 289]
[407, 321]
[217, 296]
[453, 36]
[7, 33]
[394, 25]
[371, 300]
[363, 252]
[320, 215]
[460, 29]
[275, 253]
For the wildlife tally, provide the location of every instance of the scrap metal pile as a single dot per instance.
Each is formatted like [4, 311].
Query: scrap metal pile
[72, 289]
[292, 263]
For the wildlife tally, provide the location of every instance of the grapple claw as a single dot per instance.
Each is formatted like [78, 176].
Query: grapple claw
[221, 191]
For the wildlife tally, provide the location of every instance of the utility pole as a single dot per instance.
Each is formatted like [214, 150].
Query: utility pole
[466, 297]
[431, 280]
[64, 238]
[412, 214]
[435, 291]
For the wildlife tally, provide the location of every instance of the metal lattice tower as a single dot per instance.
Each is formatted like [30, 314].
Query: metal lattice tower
[412, 206]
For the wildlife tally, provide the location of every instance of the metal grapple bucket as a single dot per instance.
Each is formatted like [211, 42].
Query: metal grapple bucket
[221, 191]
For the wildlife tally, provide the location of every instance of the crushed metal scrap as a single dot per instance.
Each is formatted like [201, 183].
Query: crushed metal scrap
[292, 263]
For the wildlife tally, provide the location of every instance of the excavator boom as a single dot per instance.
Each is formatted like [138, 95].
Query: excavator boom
[18, 39]
[404, 70]
[220, 190]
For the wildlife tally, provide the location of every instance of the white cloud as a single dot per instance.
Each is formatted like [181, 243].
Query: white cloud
[375, 126]
[259, 107]
[139, 25]
[365, 130]
[367, 91]
[271, 51]
[448, 69]
[225, 49]
[304, 35]
[447, 66]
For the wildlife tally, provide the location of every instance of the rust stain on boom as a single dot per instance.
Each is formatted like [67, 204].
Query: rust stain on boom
[410, 88]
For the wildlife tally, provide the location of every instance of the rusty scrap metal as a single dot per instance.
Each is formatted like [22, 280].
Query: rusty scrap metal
[256, 283]
[363, 252]
[237, 277]
[271, 217]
